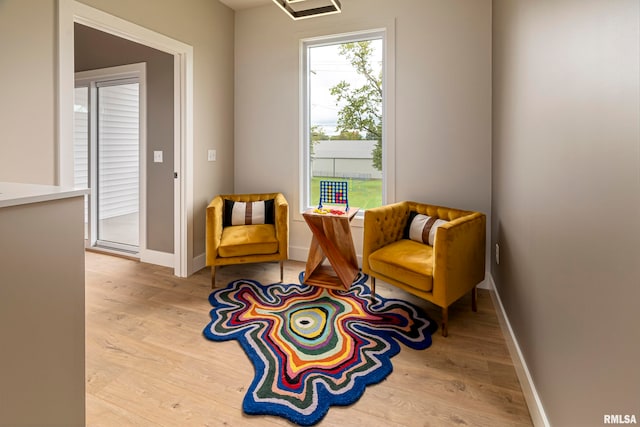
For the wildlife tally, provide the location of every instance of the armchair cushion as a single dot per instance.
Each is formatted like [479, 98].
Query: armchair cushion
[243, 240]
[407, 261]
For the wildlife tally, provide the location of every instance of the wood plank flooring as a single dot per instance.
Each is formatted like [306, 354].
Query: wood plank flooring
[148, 364]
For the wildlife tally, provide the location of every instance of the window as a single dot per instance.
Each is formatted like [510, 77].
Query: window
[343, 117]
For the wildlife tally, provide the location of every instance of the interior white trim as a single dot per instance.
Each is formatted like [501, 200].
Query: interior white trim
[158, 258]
[199, 262]
[538, 415]
[69, 12]
[389, 105]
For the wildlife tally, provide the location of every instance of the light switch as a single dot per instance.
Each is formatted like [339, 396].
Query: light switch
[211, 155]
[157, 156]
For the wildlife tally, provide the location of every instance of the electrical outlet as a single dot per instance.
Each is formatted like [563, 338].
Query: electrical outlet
[497, 253]
[211, 155]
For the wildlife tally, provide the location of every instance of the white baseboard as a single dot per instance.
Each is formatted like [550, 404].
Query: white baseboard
[298, 253]
[485, 283]
[538, 415]
[199, 262]
[164, 259]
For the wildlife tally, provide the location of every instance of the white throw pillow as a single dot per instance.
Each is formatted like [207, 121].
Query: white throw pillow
[423, 228]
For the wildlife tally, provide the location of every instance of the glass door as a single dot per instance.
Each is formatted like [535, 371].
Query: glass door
[118, 173]
[108, 140]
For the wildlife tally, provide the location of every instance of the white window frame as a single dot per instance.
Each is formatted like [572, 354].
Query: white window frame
[388, 109]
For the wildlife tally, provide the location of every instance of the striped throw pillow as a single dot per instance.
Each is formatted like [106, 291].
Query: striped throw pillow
[247, 213]
[422, 228]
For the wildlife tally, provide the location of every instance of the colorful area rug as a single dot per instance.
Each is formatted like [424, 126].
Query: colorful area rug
[312, 347]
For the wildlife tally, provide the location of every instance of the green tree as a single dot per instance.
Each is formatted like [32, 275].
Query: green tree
[345, 135]
[317, 134]
[362, 110]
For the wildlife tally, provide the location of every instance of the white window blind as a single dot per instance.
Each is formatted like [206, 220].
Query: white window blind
[118, 149]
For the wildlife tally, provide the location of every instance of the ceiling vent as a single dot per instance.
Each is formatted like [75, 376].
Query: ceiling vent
[301, 9]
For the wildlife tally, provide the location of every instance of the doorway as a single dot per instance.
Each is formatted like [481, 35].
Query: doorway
[109, 156]
[70, 12]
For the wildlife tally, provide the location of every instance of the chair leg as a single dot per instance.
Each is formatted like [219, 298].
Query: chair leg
[213, 276]
[373, 289]
[474, 299]
[281, 271]
[445, 321]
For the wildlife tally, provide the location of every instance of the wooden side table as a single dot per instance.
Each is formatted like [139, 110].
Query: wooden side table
[331, 240]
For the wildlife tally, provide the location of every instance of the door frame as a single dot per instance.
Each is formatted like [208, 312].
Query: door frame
[70, 12]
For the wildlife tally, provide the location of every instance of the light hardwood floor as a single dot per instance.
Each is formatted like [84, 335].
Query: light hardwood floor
[148, 364]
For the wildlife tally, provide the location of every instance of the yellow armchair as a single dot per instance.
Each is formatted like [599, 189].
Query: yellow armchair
[440, 272]
[250, 241]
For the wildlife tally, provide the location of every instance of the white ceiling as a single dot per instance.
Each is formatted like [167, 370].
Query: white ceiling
[244, 4]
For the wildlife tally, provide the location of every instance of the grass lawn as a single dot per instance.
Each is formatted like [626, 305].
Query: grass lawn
[363, 193]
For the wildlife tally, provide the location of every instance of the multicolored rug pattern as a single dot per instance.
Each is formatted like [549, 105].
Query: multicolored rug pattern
[312, 347]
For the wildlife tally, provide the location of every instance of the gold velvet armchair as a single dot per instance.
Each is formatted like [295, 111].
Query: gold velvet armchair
[242, 229]
[444, 266]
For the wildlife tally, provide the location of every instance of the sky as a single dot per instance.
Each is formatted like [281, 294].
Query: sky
[328, 68]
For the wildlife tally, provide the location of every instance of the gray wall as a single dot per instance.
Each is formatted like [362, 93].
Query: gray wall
[95, 49]
[442, 108]
[566, 199]
[27, 97]
[28, 43]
